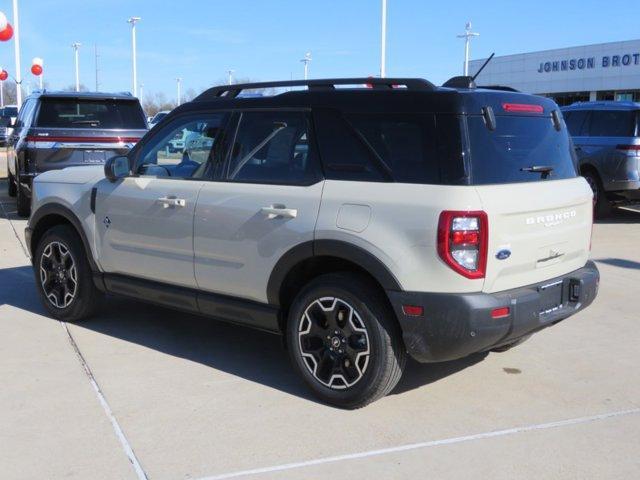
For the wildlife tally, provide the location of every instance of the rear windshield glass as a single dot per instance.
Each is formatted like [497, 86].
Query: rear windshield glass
[414, 148]
[520, 149]
[74, 113]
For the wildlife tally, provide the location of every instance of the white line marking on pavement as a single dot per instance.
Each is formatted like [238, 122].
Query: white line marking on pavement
[103, 401]
[415, 446]
[15, 232]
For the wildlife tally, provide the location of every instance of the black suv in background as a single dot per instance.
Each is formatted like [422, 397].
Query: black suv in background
[55, 130]
[606, 136]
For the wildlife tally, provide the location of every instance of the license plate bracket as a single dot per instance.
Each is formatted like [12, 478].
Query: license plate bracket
[94, 156]
[550, 298]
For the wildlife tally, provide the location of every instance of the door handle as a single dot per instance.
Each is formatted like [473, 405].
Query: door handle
[172, 202]
[275, 211]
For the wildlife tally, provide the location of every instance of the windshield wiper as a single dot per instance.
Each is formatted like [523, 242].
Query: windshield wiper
[545, 170]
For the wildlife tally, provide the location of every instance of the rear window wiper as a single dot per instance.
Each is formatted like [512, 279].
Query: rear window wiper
[545, 170]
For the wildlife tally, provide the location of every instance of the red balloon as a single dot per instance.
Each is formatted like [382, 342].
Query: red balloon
[7, 33]
[3, 75]
[36, 70]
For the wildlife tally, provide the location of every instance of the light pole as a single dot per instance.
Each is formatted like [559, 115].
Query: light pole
[230, 74]
[383, 41]
[134, 66]
[76, 46]
[141, 90]
[467, 37]
[16, 44]
[305, 61]
[179, 84]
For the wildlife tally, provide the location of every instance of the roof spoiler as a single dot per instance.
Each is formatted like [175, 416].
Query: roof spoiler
[460, 82]
[466, 81]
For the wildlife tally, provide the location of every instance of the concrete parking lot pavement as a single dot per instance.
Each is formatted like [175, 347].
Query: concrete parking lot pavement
[182, 397]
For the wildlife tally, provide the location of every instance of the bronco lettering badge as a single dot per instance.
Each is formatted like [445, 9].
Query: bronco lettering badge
[551, 219]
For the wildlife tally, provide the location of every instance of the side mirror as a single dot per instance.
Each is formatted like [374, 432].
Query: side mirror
[116, 168]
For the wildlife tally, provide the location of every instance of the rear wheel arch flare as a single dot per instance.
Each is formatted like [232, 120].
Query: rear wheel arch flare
[311, 259]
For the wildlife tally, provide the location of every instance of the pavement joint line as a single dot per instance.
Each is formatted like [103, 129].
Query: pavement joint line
[15, 232]
[128, 450]
[420, 445]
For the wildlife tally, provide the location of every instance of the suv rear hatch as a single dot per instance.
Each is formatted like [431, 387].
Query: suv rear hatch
[83, 131]
[539, 212]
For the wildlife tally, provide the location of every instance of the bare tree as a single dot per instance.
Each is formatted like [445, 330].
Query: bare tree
[157, 102]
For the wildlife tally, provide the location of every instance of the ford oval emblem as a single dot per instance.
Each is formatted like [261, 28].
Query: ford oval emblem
[503, 254]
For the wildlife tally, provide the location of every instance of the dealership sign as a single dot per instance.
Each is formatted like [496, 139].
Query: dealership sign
[583, 63]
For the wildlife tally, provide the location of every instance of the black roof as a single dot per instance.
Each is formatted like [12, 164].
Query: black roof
[383, 95]
[83, 95]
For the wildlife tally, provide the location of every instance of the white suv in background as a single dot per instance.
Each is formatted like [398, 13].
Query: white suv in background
[363, 224]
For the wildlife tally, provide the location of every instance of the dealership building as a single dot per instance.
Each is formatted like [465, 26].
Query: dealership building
[606, 71]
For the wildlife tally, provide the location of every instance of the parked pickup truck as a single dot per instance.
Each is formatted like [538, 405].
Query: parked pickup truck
[361, 224]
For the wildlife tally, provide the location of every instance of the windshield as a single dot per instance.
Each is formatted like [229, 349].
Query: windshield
[158, 117]
[520, 149]
[9, 112]
[80, 113]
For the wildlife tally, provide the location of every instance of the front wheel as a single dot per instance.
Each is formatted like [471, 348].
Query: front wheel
[63, 275]
[344, 341]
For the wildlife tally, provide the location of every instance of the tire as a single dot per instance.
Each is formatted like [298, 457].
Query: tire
[11, 181]
[61, 249]
[23, 202]
[344, 341]
[601, 206]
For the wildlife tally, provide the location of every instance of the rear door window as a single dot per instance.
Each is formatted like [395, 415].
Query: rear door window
[508, 153]
[273, 148]
[85, 113]
[612, 123]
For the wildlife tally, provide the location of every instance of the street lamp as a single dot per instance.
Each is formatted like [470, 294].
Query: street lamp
[16, 45]
[141, 90]
[76, 46]
[305, 61]
[467, 37]
[179, 84]
[134, 67]
[230, 76]
[383, 41]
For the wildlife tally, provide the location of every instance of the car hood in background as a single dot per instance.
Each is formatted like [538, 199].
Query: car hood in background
[72, 175]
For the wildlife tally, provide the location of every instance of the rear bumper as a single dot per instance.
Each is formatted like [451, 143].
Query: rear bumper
[457, 325]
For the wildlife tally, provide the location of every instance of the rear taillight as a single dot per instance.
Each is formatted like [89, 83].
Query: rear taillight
[633, 150]
[462, 242]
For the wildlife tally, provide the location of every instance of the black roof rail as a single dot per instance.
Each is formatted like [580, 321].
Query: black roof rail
[504, 88]
[232, 91]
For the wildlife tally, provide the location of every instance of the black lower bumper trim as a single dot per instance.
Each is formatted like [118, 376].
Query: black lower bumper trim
[456, 325]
